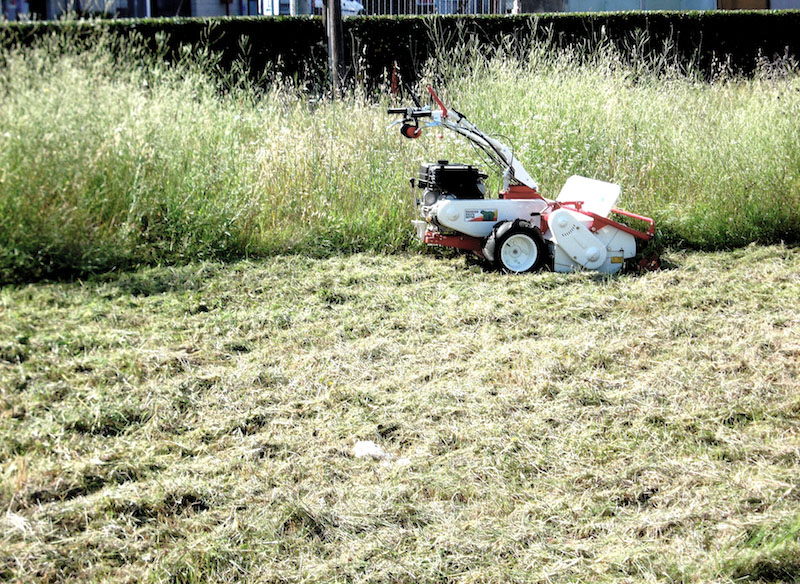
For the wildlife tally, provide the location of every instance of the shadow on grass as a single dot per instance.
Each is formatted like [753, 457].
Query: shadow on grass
[634, 268]
[154, 281]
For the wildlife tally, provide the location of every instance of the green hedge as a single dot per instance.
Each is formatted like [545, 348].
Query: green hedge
[293, 45]
[703, 38]
[296, 46]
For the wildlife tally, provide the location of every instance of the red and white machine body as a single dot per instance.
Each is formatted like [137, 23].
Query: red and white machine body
[520, 230]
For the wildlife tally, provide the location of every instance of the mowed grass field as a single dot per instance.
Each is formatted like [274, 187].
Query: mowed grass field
[197, 423]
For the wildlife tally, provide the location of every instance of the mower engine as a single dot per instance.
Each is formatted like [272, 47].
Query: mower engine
[443, 181]
[456, 181]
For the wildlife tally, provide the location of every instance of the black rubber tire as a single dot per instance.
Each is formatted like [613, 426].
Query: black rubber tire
[491, 242]
[503, 232]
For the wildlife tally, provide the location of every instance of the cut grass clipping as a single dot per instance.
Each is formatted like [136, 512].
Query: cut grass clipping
[108, 162]
[198, 423]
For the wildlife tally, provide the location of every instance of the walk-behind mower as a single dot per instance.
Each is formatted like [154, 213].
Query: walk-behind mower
[521, 230]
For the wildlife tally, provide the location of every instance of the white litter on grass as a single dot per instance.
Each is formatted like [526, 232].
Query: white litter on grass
[17, 522]
[368, 449]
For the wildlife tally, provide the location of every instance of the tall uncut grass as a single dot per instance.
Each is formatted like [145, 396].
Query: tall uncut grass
[110, 161]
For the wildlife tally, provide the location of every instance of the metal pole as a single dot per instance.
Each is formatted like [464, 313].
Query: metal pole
[326, 10]
[335, 45]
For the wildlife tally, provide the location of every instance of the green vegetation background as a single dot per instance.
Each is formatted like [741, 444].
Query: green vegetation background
[112, 155]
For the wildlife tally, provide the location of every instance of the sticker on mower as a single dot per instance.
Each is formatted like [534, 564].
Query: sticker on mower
[480, 214]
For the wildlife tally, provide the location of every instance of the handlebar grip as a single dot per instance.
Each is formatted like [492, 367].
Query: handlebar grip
[410, 113]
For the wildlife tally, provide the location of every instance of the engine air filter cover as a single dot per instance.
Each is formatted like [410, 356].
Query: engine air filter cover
[462, 181]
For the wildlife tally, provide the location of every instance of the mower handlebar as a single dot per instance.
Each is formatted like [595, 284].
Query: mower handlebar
[410, 112]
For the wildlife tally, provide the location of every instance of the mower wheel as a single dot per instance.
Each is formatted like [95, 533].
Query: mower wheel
[518, 247]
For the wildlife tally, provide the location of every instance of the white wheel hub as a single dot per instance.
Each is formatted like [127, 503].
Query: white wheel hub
[519, 253]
